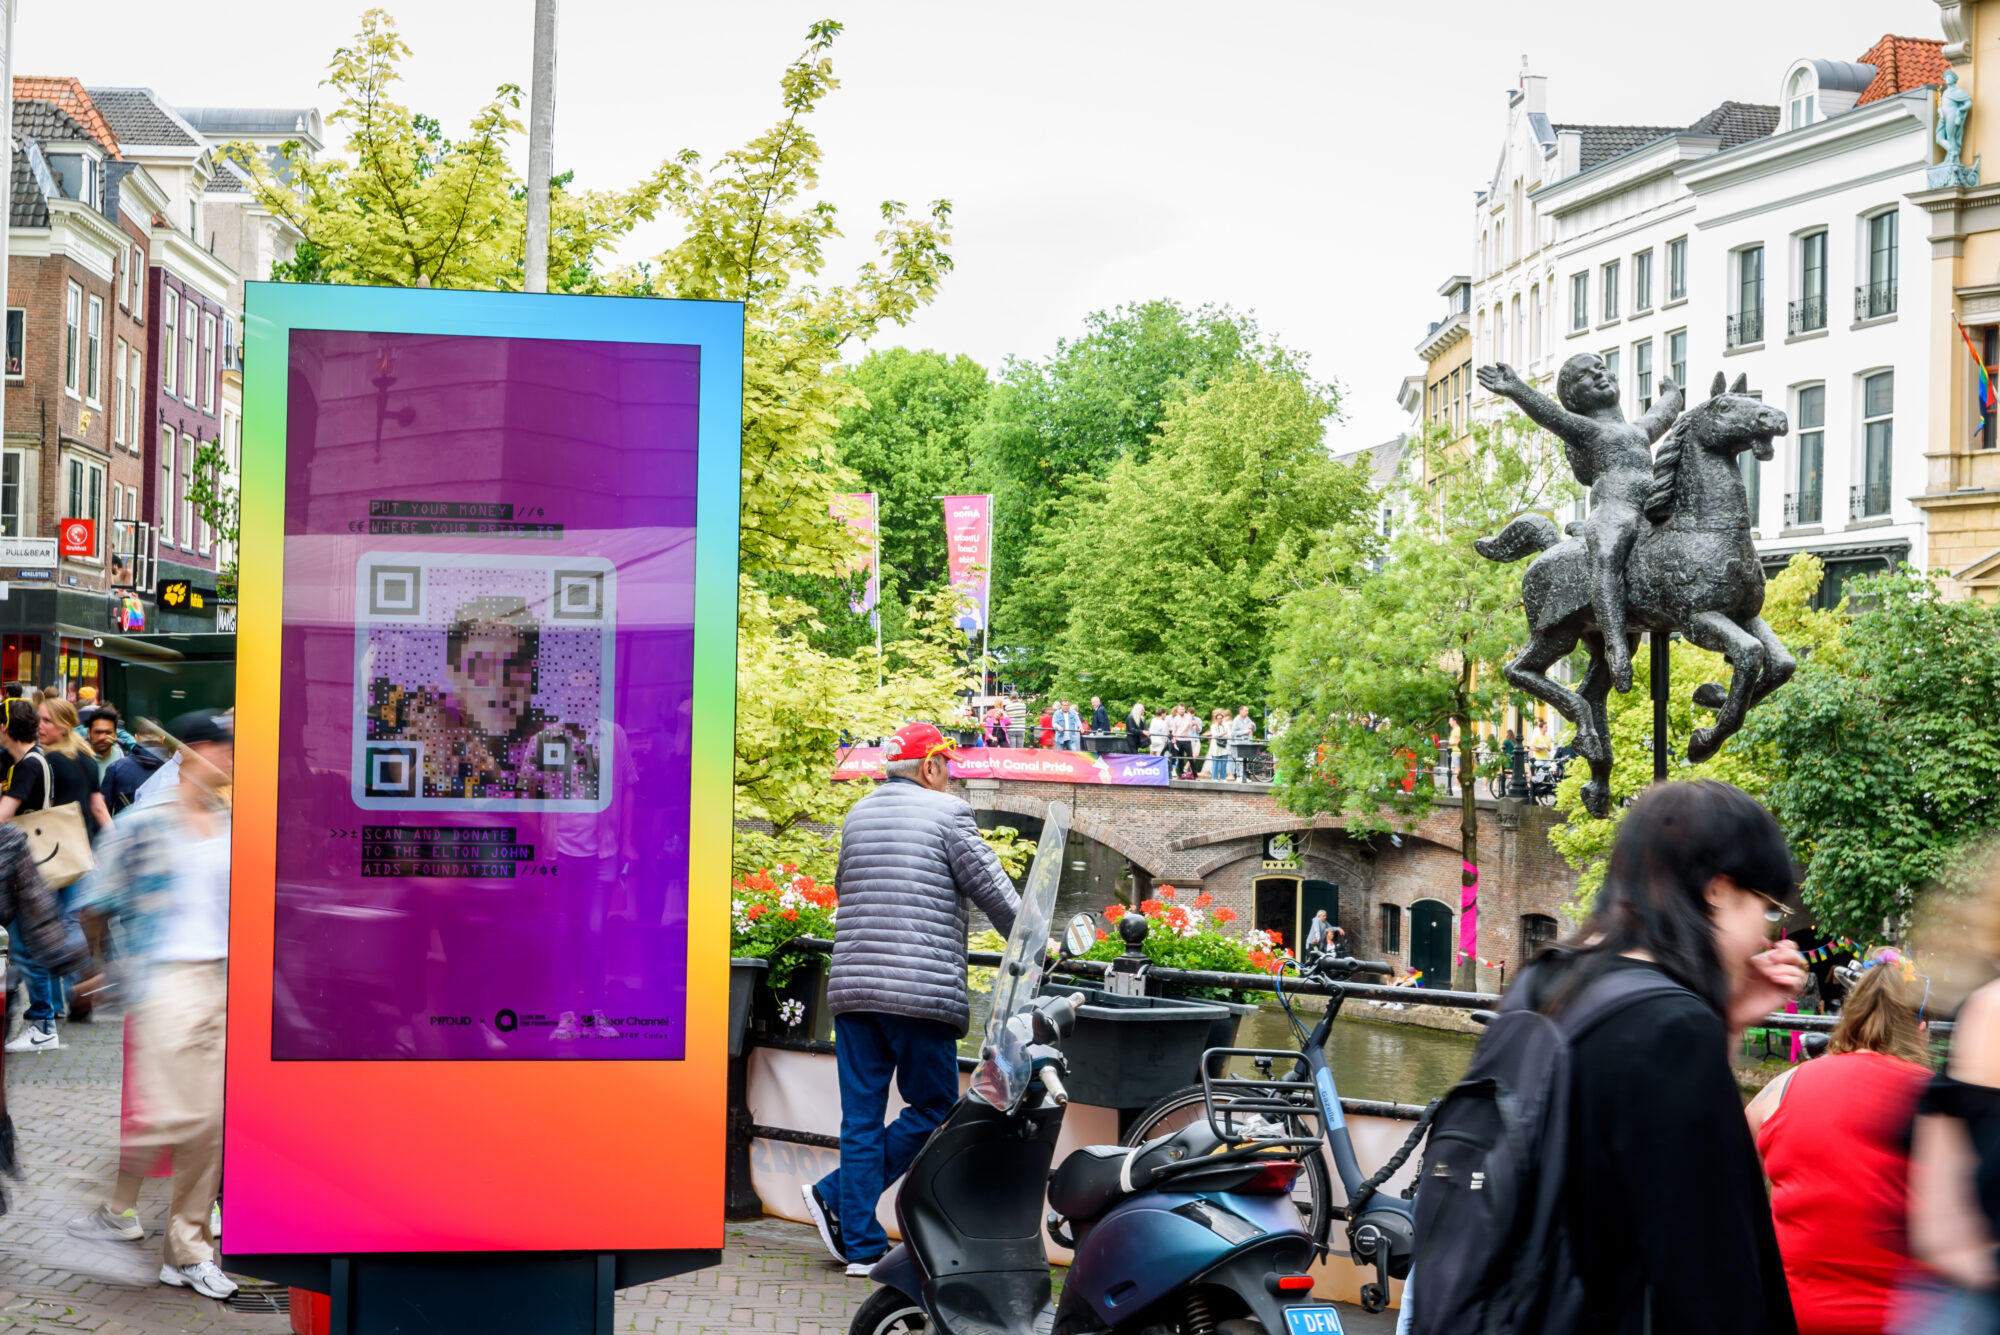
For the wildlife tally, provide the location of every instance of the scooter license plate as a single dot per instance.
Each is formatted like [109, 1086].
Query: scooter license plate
[1312, 1321]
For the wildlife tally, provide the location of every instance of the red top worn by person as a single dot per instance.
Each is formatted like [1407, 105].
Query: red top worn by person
[1834, 1134]
[1046, 724]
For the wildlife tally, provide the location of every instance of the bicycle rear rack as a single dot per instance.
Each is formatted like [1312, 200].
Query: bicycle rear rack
[1231, 1100]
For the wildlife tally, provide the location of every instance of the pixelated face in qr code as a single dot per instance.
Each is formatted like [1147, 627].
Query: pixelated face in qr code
[483, 682]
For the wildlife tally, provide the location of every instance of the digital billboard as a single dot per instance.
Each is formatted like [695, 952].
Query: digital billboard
[486, 690]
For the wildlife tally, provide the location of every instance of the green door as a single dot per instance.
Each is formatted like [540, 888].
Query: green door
[1317, 895]
[1430, 942]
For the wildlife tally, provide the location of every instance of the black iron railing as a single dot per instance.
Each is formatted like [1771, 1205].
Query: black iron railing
[1872, 301]
[1746, 329]
[1807, 314]
[1802, 507]
[1867, 501]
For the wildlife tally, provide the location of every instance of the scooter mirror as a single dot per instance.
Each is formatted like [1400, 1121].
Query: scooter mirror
[1080, 935]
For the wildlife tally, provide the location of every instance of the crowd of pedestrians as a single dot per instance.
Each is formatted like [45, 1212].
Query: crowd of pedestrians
[114, 887]
[1210, 747]
[1858, 1193]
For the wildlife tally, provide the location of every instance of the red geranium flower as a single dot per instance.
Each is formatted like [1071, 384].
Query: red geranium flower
[1166, 892]
[790, 915]
[1149, 907]
[1225, 915]
[1114, 913]
[1203, 900]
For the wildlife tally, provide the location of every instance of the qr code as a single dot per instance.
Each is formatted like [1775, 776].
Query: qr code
[483, 683]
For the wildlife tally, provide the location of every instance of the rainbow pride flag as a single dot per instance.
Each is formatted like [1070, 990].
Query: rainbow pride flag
[1985, 377]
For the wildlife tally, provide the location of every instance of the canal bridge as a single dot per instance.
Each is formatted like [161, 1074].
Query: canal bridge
[1397, 895]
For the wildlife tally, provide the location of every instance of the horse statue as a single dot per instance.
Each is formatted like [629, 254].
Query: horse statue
[1695, 570]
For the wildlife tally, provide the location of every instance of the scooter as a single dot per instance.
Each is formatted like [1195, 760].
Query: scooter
[1191, 1234]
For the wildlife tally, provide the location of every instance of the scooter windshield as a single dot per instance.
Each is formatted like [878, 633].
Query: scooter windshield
[1002, 1075]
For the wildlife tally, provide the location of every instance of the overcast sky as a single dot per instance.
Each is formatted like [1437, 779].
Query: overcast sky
[1311, 162]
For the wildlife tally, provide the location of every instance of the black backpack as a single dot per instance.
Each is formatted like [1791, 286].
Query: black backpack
[1492, 1251]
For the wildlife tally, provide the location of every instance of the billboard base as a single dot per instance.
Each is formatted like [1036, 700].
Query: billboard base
[495, 1293]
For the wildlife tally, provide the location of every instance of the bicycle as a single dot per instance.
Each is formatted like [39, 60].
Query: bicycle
[1297, 1105]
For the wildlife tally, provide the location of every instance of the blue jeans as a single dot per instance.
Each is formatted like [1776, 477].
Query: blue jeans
[41, 985]
[869, 1048]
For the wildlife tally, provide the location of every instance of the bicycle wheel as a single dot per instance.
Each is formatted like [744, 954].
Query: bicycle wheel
[1184, 1107]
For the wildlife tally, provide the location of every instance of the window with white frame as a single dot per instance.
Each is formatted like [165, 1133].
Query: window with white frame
[1806, 501]
[134, 388]
[72, 338]
[170, 348]
[1607, 297]
[118, 392]
[1799, 98]
[1611, 366]
[191, 369]
[137, 269]
[208, 367]
[1534, 323]
[86, 498]
[1642, 374]
[1677, 269]
[1746, 326]
[1809, 311]
[188, 447]
[1579, 301]
[1878, 425]
[1877, 297]
[166, 497]
[93, 348]
[1677, 356]
[10, 494]
[17, 341]
[1642, 281]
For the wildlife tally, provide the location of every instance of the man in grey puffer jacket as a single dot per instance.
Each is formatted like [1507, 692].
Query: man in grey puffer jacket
[911, 860]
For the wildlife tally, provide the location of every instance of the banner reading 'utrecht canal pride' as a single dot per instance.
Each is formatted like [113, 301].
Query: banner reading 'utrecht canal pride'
[1015, 762]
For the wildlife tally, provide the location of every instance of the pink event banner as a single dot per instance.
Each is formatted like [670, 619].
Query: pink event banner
[968, 546]
[858, 509]
[1020, 762]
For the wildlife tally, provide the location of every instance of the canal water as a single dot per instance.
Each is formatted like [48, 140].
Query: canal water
[1396, 1063]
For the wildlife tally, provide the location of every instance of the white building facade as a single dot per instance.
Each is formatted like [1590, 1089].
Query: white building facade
[1796, 253]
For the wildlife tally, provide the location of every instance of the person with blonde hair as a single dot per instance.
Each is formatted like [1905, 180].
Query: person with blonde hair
[1954, 1215]
[1832, 1136]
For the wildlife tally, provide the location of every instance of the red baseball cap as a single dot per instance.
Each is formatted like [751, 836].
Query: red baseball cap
[920, 741]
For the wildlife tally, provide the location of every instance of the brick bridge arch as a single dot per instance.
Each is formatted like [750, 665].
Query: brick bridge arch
[1211, 836]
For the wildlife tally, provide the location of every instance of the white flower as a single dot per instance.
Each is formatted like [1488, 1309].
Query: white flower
[791, 1011]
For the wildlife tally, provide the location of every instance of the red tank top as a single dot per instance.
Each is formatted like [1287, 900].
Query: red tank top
[1835, 1154]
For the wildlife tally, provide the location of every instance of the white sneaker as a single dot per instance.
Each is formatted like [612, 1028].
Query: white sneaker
[204, 1277]
[100, 1225]
[567, 1029]
[862, 1269]
[36, 1040]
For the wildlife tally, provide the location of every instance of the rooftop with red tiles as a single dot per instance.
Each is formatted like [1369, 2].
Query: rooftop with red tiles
[72, 97]
[1902, 63]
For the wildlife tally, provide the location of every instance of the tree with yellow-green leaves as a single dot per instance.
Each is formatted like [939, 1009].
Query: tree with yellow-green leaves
[407, 206]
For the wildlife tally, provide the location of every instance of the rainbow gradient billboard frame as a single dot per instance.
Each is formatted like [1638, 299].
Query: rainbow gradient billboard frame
[485, 717]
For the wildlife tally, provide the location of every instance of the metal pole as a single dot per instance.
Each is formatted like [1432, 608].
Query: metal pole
[1656, 640]
[541, 146]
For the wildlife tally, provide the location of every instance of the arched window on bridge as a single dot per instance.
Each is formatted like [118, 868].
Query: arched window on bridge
[1391, 939]
[1538, 931]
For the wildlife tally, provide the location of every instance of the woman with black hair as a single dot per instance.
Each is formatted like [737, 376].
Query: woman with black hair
[1666, 1207]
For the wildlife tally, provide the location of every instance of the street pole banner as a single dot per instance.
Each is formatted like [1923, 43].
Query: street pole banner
[1020, 762]
[858, 510]
[968, 544]
[482, 830]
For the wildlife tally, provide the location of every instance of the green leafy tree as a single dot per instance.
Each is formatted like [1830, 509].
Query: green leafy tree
[911, 441]
[1585, 841]
[754, 232]
[1165, 568]
[213, 493]
[1061, 423]
[1376, 667]
[1883, 755]
[405, 205]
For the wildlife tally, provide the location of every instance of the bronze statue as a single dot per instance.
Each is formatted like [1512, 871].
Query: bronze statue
[1689, 565]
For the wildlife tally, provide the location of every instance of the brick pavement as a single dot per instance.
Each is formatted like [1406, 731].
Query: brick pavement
[773, 1275]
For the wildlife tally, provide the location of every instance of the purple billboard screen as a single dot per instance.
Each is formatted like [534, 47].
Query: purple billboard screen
[486, 699]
